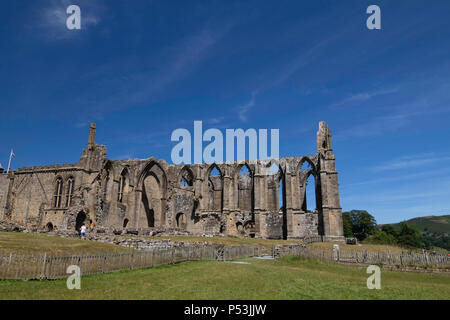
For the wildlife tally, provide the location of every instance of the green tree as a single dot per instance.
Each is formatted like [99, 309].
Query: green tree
[381, 237]
[347, 223]
[409, 236]
[389, 229]
[363, 223]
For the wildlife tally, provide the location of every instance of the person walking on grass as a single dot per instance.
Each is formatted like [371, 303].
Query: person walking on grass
[83, 232]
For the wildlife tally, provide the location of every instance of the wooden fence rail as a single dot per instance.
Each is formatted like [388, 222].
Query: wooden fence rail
[51, 266]
[367, 257]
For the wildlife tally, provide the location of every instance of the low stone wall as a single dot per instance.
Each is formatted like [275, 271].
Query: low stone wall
[136, 241]
[10, 227]
[145, 244]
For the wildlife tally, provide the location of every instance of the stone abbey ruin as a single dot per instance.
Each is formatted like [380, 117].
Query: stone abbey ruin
[150, 195]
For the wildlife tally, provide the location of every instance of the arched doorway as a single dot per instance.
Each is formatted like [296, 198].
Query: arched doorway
[151, 198]
[249, 228]
[215, 189]
[49, 226]
[151, 211]
[277, 194]
[181, 221]
[80, 220]
[240, 228]
[125, 223]
[244, 189]
[310, 194]
[308, 188]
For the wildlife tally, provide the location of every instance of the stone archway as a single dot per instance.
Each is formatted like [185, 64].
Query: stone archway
[80, 220]
[151, 206]
[49, 226]
[240, 228]
[152, 201]
[181, 221]
[249, 229]
[69, 221]
[214, 185]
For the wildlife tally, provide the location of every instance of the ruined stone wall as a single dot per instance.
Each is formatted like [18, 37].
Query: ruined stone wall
[149, 194]
[32, 199]
[4, 186]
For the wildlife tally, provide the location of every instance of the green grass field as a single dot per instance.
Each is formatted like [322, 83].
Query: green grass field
[287, 278]
[38, 243]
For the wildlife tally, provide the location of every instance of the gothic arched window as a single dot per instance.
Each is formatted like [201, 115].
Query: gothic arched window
[122, 182]
[69, 192]
[187, 179]
[58, 193]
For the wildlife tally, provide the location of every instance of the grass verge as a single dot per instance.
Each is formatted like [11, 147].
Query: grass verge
[286, 278]
[38, 243]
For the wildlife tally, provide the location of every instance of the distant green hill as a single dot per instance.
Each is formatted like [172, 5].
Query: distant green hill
[435, 230]
[430, 224]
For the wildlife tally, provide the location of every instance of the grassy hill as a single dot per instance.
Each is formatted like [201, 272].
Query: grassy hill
[435, 229]
[432, 224]
[429, 224]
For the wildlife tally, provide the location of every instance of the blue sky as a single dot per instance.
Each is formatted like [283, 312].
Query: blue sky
[141, 69]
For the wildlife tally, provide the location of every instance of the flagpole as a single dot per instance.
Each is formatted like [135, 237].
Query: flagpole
[9, 163]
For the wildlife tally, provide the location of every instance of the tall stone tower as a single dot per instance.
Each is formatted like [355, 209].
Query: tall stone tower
[93, 156]
[331, 207]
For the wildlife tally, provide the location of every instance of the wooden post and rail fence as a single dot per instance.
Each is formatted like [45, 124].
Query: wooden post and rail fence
[26, 266]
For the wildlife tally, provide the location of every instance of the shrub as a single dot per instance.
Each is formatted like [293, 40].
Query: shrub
[381, 237]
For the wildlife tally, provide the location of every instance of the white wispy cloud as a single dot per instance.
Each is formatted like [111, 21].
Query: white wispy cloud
[137, 145]
[424, 103]
[143, 87]
[295, 65]
[140, 138]
[363, 96]
[427, 190]
[399, 201]
[81, 124]
[244, 109]
[304, 59]
[214, 121]
[411, 161]
[404, 177]
[377, 126]
[301, 60]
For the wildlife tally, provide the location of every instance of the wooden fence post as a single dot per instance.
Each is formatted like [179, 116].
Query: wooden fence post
[47, 266]
[152, 262]
[104, 264]
[9, 263]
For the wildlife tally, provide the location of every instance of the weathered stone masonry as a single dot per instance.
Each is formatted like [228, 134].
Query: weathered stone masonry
[149, 194]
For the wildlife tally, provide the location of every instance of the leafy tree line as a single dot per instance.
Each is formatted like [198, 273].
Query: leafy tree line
[363, 226]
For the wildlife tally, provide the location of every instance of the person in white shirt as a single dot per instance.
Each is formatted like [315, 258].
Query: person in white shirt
[83, 231]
